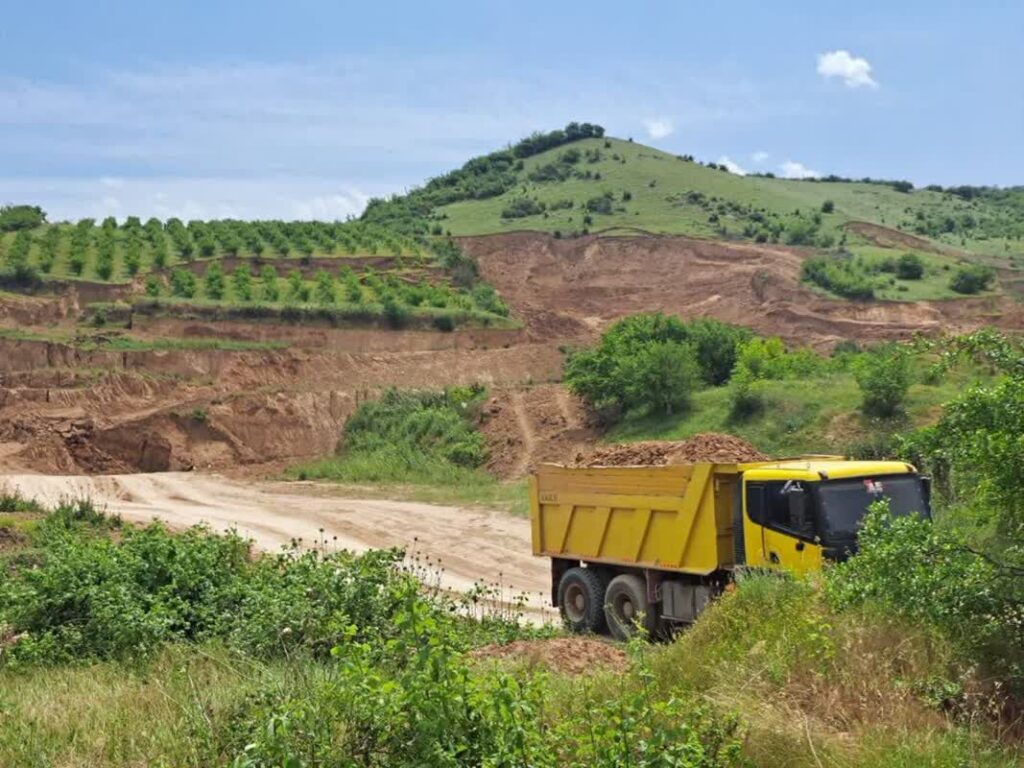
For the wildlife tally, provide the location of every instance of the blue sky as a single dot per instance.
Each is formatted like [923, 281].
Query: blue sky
[305, 109]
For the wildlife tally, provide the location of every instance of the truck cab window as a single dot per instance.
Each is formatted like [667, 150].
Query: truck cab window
[768, 505]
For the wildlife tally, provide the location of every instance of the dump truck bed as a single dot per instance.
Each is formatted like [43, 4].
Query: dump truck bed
[676, 518]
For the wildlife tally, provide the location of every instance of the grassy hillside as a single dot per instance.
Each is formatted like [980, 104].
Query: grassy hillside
[611, 186]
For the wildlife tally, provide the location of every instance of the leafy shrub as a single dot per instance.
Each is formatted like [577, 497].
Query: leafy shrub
[601, 204]
[20, 217]
[522, 207]
[651, 362]
[884, 378]
[438, 425]
[916, 569]
[910, 267]
[746, 396]
[972, 278]
[840, 276]
[94, 597]
[828, 206]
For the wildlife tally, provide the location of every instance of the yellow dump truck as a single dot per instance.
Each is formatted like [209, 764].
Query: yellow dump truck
[659, 542]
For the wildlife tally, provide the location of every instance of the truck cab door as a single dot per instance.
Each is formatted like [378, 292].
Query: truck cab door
[778, 529]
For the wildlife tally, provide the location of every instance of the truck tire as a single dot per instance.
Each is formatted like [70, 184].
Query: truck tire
[581, 600]
[624, 603]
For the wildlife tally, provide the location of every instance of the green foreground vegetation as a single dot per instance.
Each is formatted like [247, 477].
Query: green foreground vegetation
[128, 646]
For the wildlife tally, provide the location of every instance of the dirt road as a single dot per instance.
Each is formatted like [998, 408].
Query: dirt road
[472, 545]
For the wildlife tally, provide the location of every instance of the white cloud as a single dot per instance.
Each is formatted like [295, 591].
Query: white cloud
[659, 128]
[791, 169]
[854, 71]
[759, 157]
[194, 197]
[731, 165]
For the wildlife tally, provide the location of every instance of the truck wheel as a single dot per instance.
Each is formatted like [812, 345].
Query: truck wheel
[581, 600]
[624, 603]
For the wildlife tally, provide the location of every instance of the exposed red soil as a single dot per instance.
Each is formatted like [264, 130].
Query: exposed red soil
[573, 288]
[530, 425]
[705, 447]
[65, 409]
[564, 655]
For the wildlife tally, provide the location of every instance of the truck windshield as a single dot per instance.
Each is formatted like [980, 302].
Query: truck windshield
[844, 503]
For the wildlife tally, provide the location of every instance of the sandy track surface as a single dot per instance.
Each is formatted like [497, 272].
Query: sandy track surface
[471, 544]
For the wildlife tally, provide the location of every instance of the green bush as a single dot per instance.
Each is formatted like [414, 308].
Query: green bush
[522, 207]
[972, 278]
[435, 425]
[21, 217]
[840, 276]
[635, 347]
[884, 379]
[916, 569]
[910, 267]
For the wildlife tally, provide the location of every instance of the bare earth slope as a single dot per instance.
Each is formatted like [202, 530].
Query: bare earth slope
[567, 288]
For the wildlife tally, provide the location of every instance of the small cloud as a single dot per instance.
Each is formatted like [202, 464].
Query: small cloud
[659, 128]
[854, 71]
[731, 165]
[334, 207]
[759, 157]
[791, 169]
[111, 182]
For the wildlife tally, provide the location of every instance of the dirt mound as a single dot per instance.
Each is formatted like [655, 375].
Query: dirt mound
[709, 446]
[565, 655]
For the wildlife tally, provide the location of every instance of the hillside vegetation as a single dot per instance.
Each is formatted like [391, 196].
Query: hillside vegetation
[597, 184]
[341, 271]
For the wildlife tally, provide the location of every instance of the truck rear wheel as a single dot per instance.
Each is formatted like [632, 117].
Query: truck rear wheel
[625, 603]
[581, 600]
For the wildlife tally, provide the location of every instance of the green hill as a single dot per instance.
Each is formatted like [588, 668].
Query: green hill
[606, 185]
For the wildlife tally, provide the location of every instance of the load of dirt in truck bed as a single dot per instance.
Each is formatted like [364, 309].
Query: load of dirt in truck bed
[564, 655]
[708, 446]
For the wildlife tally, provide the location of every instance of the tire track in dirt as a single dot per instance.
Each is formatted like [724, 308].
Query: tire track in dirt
[529, 440]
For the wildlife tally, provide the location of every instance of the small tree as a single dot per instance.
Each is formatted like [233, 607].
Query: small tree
[828, 206]
[153, 286]
[910, 267]
[133, 256]
[183, 283]
[242, 283]
[215, 282]
[663, 378]
[269, 284]
[298, 291]
[324, 290]
[884, 378]
[972, 278]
